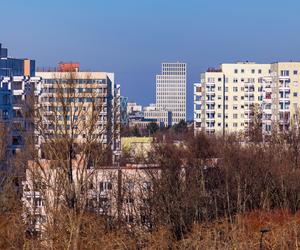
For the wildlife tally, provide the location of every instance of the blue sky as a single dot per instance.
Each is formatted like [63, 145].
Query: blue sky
[133, 37]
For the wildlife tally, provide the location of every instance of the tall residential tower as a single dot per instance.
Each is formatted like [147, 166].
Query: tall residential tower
[231, 98]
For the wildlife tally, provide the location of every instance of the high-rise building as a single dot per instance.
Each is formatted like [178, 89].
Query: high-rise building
[15, 66]
[281, 97]
[17, 97]
[171, 90]
[228, 99]
[82, 93]
[18, 90]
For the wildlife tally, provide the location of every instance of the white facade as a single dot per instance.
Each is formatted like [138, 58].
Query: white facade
[229, 98]
[171, 90]
[164, 117]
[133, 107]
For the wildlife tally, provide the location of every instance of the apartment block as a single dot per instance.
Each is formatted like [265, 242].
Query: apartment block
[227, 99]
[18, 95]
[280, 109]
[18, 91]
[14, 66]
[171, 90]
[81, 93]
[102, 195]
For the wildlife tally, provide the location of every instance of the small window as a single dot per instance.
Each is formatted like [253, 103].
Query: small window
[235, 71]
[295, 94]
[295, 72]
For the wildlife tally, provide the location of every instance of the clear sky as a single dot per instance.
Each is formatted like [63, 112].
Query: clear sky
[133, 37]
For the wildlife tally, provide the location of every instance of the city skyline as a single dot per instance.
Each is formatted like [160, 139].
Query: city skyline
[139, 36]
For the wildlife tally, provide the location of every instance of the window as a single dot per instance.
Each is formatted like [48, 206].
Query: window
[226, 89]
[242, 71]
[235, 98]
[235, 89]
[105, 186]
[17, 85]
[219, 115]
[235, 124]
[235, 116]
[253, 71]
[226, 98]
[235, 71]
[295, 72]
[259, 71]
[219, 79]
[219, 88]
[284, 73]
[295, 94]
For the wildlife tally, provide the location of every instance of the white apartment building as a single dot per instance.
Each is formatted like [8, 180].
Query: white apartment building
[281, 100]
[107, 185]
[171, 90]
[227, 98]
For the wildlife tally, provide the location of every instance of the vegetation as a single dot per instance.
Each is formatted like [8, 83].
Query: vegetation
[194, 192]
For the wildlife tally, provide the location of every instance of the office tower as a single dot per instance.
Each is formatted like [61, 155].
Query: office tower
[229, 99]
[171, 90]
[82, 93]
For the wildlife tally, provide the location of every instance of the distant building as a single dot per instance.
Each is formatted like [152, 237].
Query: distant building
[171, 90]
[133, 107]
[123, 110]
[164, 117]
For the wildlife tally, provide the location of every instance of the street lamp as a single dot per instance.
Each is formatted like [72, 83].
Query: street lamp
[263, 231]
